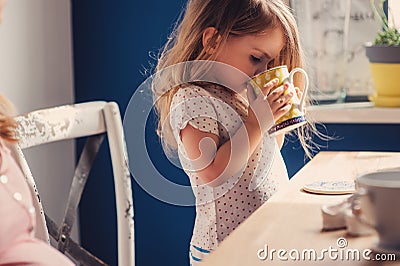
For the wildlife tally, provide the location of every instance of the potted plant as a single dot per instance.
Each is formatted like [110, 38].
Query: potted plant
[384, 58]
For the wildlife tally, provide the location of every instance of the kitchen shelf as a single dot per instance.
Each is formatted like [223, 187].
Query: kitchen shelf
[357, 113]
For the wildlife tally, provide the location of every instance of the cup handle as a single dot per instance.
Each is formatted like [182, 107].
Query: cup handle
[303, 97]
[355, 206]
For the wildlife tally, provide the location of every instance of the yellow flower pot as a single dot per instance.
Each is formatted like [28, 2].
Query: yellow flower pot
[385, 70]
[386, 79]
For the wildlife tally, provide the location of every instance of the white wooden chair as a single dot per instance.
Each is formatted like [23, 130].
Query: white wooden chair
[91, 120]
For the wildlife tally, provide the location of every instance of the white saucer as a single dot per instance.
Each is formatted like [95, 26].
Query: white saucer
[331, 187]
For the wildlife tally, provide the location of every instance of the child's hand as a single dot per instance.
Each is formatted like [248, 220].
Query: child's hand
[299, 96]
[279, 101]
[269, 107]
[298, 92]
[251, 95]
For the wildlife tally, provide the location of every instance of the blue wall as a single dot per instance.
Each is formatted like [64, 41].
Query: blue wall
[112, 41]
[345, 137]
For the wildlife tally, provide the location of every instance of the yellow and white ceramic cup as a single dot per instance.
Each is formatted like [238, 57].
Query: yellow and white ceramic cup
[295, 117]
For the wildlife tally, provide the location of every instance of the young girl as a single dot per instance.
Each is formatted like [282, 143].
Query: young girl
[220, 131]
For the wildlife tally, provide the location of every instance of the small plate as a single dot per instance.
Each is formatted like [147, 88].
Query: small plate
[331, 187]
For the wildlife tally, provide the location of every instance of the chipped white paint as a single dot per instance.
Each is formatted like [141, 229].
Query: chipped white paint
[41, 229]
[59, 123]
[73, 121]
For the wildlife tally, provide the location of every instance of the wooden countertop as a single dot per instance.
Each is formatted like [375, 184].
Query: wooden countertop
[292, 219]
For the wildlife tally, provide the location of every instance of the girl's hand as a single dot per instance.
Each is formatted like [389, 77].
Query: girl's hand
[298, 92]
[279, 101]
[299, 95]
[269, 107]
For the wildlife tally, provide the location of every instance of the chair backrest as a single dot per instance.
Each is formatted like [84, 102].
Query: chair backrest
[92, 120]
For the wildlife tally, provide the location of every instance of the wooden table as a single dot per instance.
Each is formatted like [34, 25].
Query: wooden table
[292, 218]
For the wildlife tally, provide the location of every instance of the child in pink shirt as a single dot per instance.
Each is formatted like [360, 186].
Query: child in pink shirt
[18, 245]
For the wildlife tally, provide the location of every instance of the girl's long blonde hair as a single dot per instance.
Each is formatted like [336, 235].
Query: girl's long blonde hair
[7, 123]
[228, 17]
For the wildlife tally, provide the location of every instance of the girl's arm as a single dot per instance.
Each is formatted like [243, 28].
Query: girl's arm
[214, 166]
[212, 162]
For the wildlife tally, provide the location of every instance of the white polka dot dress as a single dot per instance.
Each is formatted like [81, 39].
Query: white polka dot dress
[219, 210]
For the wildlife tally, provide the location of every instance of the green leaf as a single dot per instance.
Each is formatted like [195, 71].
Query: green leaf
[389, 36]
